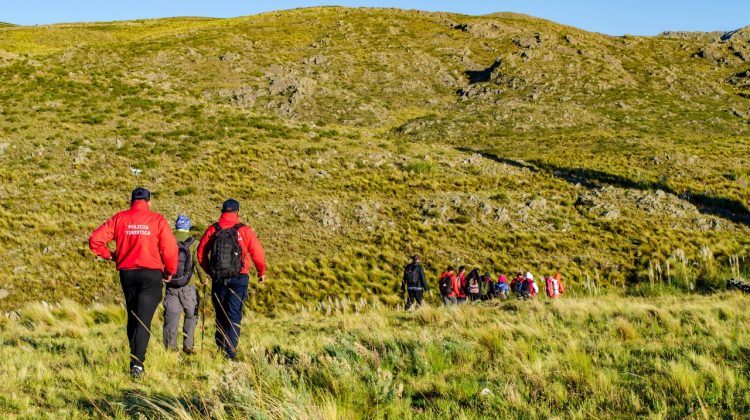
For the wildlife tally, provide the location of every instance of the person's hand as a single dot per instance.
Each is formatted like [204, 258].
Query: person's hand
[168, 278]
[261, 279]
[204, 282]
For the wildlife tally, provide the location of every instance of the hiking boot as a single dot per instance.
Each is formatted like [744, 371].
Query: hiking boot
[189, 350]
[137, 372]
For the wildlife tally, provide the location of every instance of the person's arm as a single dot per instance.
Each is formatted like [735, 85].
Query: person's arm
[423, 279]
[455, 281]
[101, 237]
[256, 251]
[204, 246]
[168, 247]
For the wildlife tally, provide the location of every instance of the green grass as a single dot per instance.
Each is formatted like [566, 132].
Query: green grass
[349, 156]
[670, 356]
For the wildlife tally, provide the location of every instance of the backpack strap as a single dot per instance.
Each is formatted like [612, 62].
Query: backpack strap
[238, 226]
[217, 226]
[189, 241]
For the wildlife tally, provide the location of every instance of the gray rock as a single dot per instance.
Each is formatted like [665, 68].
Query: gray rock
[229, 56]
[4, 293]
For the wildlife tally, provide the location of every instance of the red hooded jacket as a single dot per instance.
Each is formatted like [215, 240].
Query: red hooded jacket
[462, 285]
[143, 240]
[454, 282]
[251, 248]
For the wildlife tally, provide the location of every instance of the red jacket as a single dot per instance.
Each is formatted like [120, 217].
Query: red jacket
[251, 248]
[454, 282]
[143, 240]
[462, 286]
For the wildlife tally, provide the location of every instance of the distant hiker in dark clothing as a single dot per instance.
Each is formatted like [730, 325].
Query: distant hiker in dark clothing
[145, 253]
[414, 283]
[225, 253]
[463, 289]
[449, 286]
[516, 285]
[472, 285]
[486, 287]
[181, 294]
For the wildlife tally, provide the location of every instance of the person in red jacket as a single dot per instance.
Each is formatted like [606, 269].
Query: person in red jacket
[145, 254]
[463, 285]
[555, 287]
[230, 276]
[450, 297]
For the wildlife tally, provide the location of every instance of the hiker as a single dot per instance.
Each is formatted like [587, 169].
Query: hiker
[462, 286]
[225, 253]
[181, 294]
[502, 289]
[449, 286]
[531, 286]
[516, 285]
[486, 288]
[414, 282]
[555, 287]
[145, 254]
[472, 285]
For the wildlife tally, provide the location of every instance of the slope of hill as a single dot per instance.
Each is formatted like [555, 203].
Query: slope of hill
[606, 357]
[355, 137]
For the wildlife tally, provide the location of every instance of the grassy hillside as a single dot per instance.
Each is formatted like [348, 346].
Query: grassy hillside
[581, 357]
[355, 137]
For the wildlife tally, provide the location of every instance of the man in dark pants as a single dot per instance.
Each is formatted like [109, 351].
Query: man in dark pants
[225, 253]
[146, 255]
[414, 282]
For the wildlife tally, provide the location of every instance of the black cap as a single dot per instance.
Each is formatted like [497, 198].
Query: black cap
[230, 205]
[140, 194]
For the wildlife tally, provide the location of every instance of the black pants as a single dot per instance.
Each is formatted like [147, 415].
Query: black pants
[142, 289]
[414, 296]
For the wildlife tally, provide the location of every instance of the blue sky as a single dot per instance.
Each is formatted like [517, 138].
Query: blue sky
[638, 17]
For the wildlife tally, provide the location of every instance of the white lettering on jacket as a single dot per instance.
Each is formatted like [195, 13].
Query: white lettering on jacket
[144, 230]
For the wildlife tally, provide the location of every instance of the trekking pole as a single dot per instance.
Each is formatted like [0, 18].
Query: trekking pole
[203, 315]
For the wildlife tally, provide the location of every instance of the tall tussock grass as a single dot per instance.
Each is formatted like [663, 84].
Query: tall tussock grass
[606, 356]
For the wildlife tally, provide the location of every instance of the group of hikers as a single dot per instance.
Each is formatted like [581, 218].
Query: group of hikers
[149, 255]
[459, 287]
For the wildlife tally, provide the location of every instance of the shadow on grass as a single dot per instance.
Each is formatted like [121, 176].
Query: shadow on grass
[729, 209]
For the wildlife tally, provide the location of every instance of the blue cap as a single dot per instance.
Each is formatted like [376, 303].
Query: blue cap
[183, 223]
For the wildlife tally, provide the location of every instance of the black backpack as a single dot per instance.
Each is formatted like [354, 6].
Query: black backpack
[445, 285]
[523, 289]
[184, 264]
[411, 275]
[226, 253]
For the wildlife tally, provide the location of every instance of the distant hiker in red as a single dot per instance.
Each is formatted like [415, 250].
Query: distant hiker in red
[449, 286]
[145, 254]
[555, 287]
[226, 252]
[463, 286]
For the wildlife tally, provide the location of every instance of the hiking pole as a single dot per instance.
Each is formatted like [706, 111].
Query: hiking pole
[203, 315]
